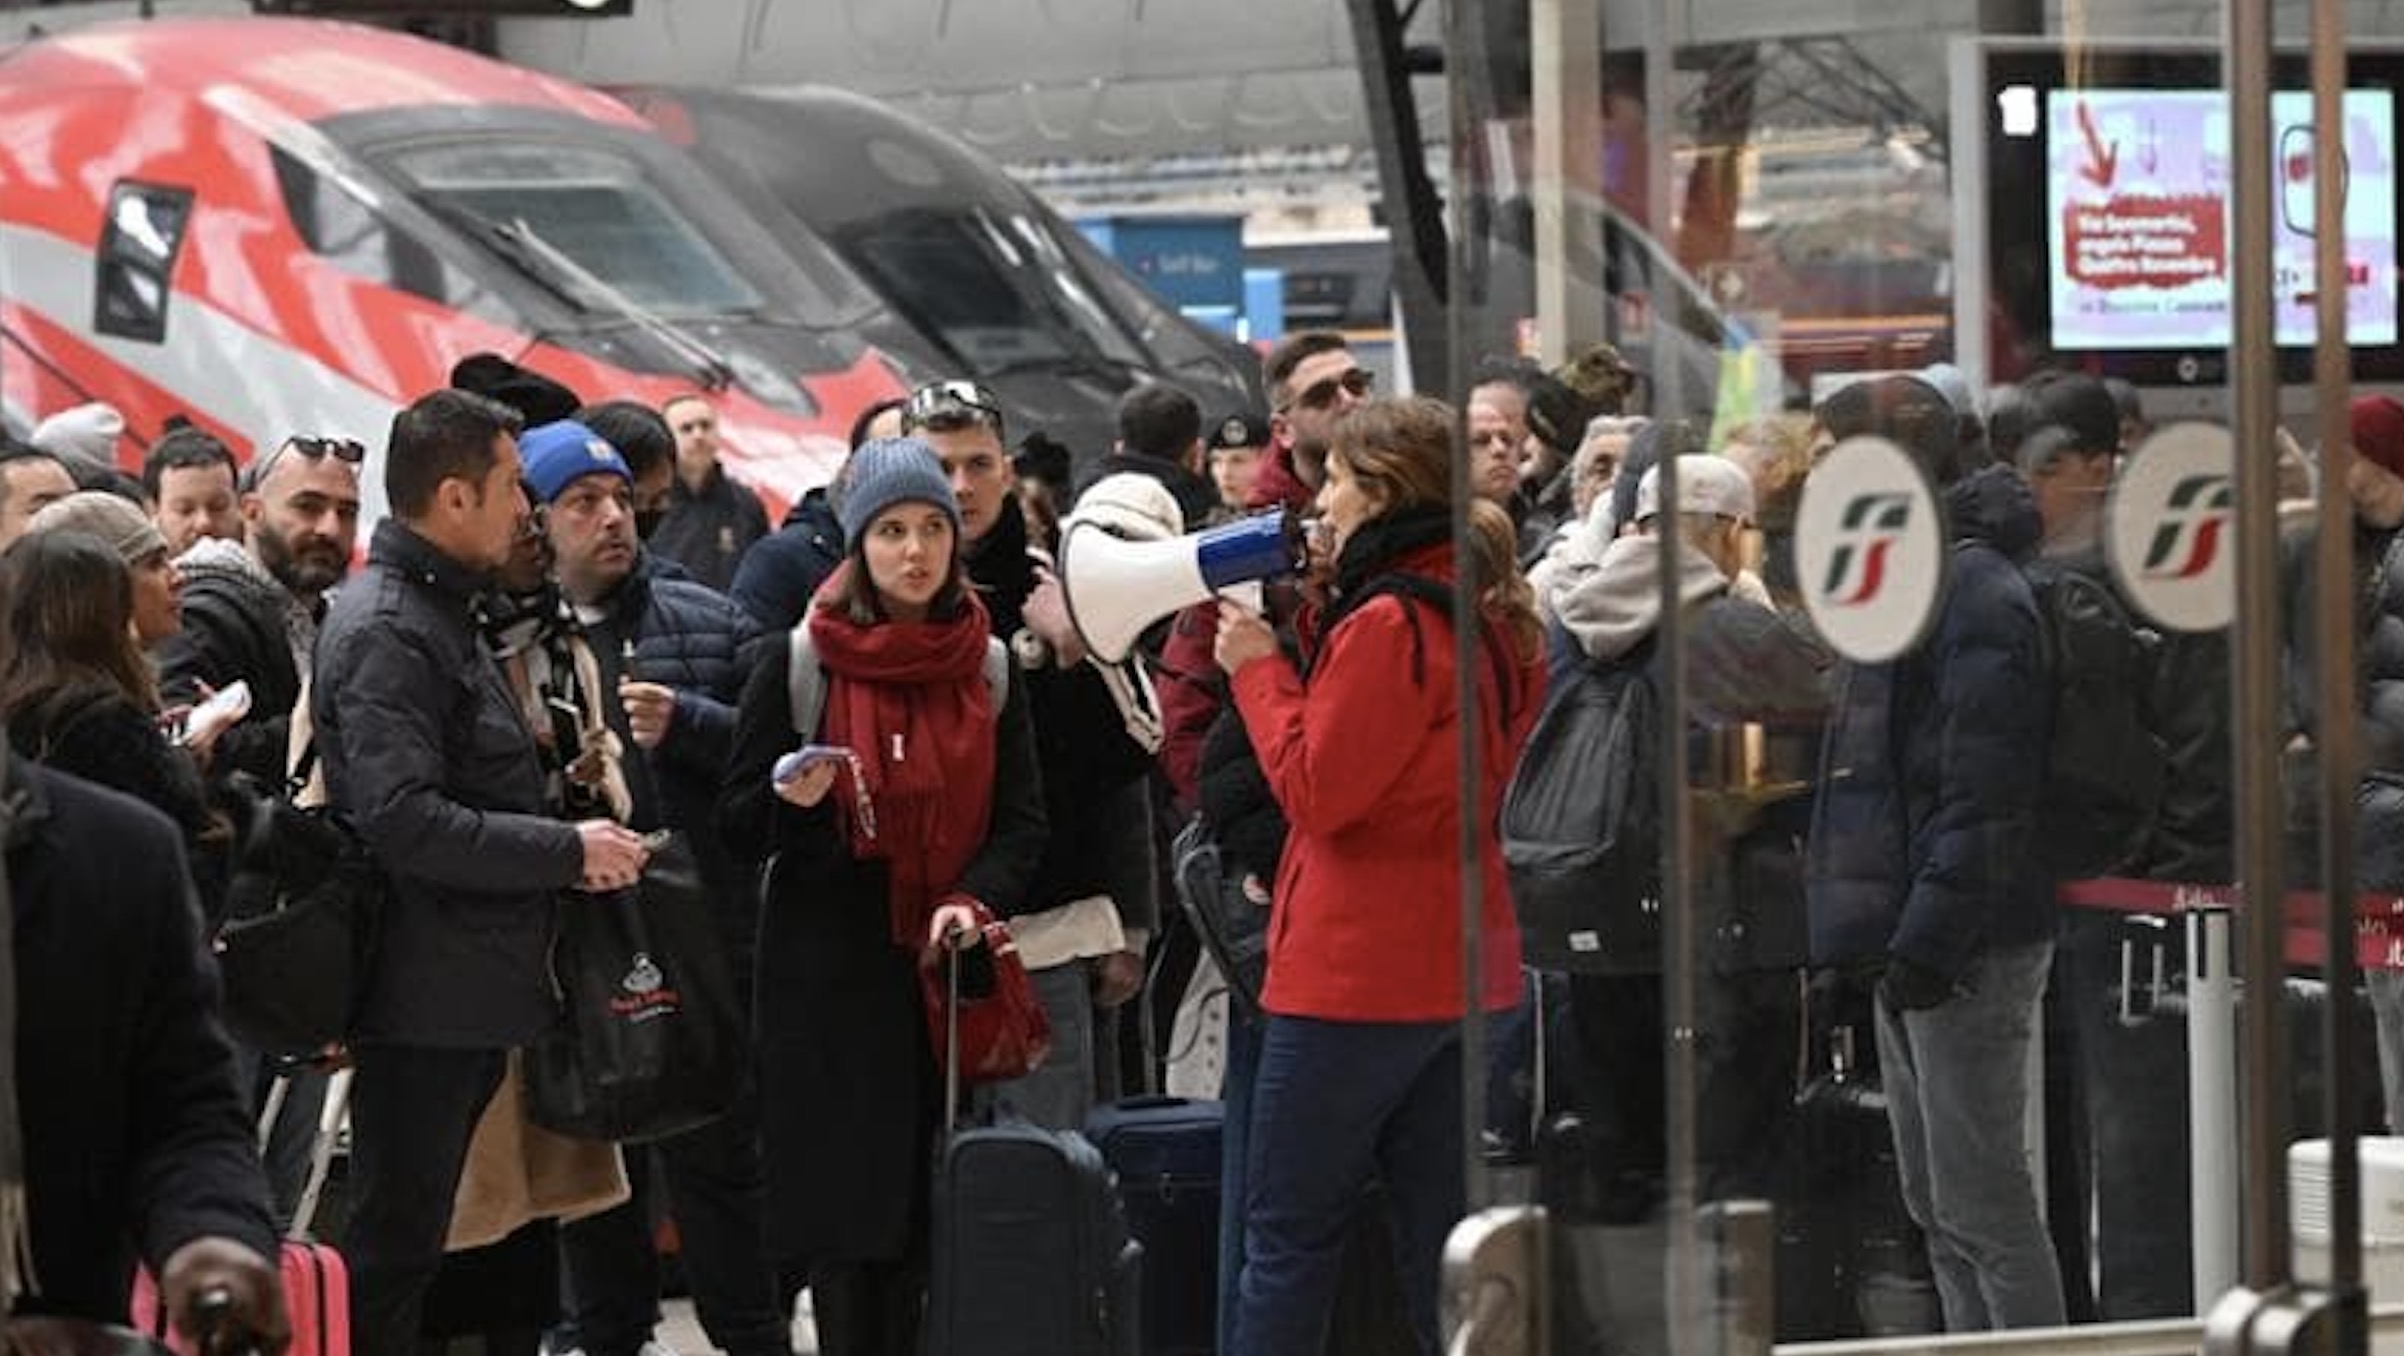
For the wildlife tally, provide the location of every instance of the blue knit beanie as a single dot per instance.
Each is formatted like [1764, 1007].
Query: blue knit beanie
[889, 471]
[562, 452]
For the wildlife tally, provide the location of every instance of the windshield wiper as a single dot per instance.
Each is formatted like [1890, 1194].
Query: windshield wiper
[710, 372]
[588, 292]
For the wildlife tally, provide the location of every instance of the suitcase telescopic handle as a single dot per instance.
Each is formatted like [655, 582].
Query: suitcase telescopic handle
[951, 1028]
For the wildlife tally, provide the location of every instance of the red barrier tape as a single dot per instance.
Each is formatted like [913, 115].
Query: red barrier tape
[2378, 919]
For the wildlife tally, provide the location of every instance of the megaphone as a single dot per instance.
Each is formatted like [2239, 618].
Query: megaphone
[1116, 587]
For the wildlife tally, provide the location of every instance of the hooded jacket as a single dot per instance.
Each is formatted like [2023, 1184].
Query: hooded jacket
[1922, 844]
[782, 569]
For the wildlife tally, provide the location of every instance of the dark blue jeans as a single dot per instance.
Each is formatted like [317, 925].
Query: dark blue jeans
[1244, 1030]
[1336, 1104]
[713, 1180]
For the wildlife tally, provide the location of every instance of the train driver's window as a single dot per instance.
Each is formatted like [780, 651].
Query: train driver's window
[138, 244]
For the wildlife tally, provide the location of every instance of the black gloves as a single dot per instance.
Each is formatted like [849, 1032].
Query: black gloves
[1908, 986]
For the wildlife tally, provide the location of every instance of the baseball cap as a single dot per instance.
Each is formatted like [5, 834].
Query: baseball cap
[119, 522]
[1240, 429]
[1707, 483]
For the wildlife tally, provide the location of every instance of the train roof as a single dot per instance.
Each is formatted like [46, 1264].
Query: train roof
[308, 69]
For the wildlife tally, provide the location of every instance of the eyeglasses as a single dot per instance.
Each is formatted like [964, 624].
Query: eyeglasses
[949, 404]
[1358, 382]
[349, 451]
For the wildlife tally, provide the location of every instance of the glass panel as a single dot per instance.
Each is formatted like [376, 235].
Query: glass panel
[585, 222]
[1922, 877]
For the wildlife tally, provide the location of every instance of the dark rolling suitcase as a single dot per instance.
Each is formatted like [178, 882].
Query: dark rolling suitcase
[1030, 1253]
[1850, 1261]
[1164, 1152]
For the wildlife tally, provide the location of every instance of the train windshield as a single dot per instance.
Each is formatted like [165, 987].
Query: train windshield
[999, 291]
[586, 222]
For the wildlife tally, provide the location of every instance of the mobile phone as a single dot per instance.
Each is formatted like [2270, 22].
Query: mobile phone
[802, 759]
[211, 717]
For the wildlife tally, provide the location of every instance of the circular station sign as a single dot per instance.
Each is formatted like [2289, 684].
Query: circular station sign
[2170, 529]
[1869, 550]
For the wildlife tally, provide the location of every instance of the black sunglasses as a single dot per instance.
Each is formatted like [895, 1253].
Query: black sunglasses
[1321, 394]
[349, 451]
[949, 404]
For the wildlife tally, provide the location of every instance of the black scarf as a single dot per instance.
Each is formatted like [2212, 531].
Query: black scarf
[1370, 552]
[1365, 569]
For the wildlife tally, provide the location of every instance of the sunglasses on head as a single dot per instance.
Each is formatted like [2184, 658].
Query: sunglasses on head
[949, 404]
[1321, 394]
[349, 451]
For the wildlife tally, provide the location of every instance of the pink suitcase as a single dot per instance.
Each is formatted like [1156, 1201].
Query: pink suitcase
[317, 1301]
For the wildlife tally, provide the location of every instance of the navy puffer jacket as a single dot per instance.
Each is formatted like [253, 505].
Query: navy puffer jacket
[1922, 844]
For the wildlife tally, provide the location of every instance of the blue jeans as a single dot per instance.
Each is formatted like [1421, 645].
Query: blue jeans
[1334, 1105]
[1244, 1030]
[1957, 1095]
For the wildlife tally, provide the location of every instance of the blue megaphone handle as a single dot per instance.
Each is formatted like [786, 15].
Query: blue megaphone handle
[1259, 547]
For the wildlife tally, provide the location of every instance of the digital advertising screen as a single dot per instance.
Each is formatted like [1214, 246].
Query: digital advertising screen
[2136, 187]
[2098, 222]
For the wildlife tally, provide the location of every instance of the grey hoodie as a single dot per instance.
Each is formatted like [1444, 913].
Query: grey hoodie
[1617, 606]
[1743, 661]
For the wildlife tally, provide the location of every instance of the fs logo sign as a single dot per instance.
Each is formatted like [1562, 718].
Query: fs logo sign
[1869, 550]
[2168, 524]
[2188, 541]
[1874, 524]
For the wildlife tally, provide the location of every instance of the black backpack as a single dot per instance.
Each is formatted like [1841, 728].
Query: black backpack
[1581, 824]
[2106, 763]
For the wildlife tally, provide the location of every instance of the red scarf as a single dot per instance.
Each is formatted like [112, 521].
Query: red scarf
[910, 699]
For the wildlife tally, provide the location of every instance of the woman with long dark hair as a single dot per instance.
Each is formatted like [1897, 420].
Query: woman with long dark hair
[78, 695]
[876, 857]
[1360, 1064]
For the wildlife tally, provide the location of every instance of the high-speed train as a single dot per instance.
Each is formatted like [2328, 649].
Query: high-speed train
[978, 277]
[277, 226]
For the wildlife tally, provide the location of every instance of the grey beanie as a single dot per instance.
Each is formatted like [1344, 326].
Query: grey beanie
[889, 471]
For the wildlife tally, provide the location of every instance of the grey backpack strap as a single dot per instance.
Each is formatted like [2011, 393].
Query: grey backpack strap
[997, 674]
[805, 683]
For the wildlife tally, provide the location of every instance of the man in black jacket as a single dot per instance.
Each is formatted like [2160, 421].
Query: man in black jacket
[1160, 435]
[711, 521]
[426, 750]
[136, 1141]
[676, 654]
[251, 607]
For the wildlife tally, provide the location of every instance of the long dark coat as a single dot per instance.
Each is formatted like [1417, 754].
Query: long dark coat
[848, 1094]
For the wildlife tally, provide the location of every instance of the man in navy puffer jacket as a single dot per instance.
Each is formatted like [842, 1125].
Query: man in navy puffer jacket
[1922, 866]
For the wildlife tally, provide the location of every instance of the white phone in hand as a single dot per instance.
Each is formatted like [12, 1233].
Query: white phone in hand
[215, 716]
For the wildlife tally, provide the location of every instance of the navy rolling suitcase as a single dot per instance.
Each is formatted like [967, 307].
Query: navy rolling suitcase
[1030, 1253]
[1165, 1153]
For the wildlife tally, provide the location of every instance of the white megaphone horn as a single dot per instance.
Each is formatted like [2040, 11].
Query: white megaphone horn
[1116, 587]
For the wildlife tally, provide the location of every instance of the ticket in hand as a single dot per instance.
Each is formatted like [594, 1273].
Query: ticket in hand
[802, 759]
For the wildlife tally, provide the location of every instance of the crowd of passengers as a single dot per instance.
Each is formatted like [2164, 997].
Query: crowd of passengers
[572, 628]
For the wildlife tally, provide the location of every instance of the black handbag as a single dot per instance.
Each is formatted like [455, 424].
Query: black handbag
[1233, 926]
[648, 1042]
[301, 913]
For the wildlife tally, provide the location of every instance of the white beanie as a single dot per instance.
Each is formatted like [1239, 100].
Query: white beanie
[85, 433]
[1131, 505]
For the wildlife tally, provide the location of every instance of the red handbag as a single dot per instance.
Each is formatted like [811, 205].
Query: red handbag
[994, 1036]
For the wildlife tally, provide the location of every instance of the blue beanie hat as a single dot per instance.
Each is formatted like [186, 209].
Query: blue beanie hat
[889, 471]
[560, 452]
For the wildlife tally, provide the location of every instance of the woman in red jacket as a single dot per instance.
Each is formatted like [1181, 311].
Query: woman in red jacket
[1360, 1069]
